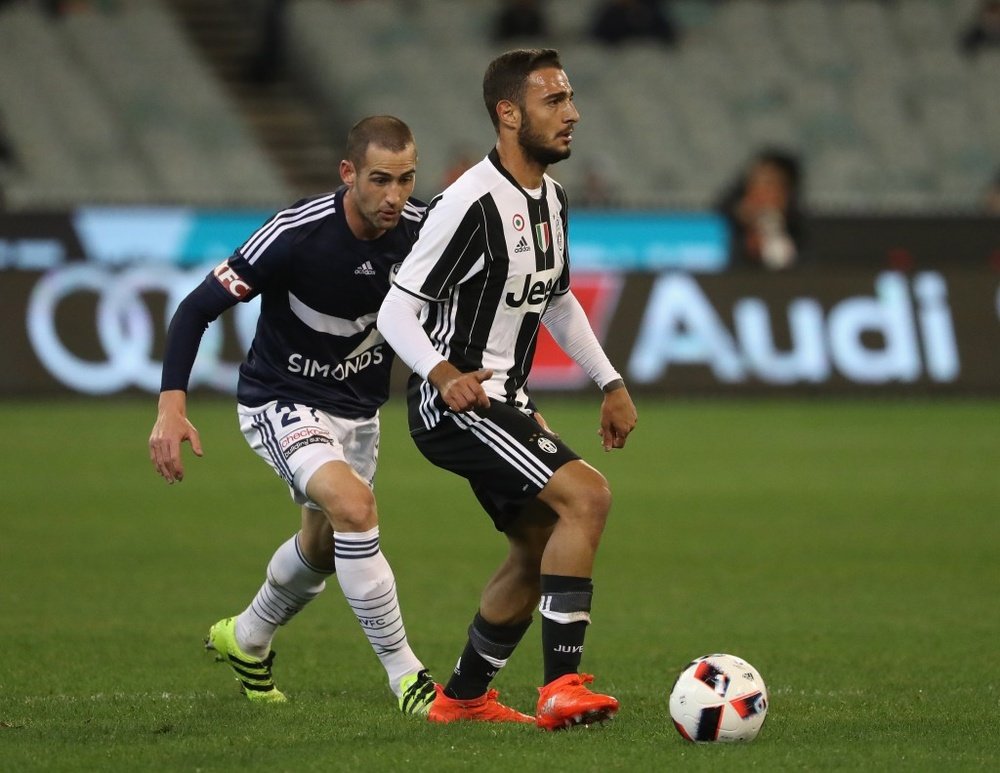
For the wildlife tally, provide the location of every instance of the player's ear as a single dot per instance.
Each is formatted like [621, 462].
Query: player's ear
[347, 172]
[508, 113]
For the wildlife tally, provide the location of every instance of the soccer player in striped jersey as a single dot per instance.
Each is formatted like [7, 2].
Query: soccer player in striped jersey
[308, 397]
[492, 263]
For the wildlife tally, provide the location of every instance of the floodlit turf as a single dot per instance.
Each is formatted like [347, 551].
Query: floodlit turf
[849, 550]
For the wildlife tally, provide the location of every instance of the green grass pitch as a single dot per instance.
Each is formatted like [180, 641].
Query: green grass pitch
[849, 550]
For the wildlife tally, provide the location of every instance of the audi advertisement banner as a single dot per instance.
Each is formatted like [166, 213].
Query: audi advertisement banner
[97, 329]
[883, 305]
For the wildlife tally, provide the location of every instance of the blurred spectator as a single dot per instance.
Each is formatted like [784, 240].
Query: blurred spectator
[616, 21]
[992, 198]
[520, 19]
[763, 211]
[65, 7]
[8, 160]
[268, 59]
[984, 30]
[596, 189]
[460, 159]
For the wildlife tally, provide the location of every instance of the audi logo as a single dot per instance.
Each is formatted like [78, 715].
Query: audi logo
[126, 329]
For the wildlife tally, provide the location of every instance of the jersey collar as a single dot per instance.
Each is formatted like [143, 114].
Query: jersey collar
[494, 157]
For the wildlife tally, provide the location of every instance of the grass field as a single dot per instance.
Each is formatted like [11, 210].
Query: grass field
[849, 550]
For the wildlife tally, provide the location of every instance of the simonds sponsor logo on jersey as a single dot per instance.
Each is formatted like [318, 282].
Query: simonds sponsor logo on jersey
[340, 371]
[532, 291]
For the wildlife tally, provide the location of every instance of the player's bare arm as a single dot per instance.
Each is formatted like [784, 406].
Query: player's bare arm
[618, 418]
[171, 429]
[460, 391]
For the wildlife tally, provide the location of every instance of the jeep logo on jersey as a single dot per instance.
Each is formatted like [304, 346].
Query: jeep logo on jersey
[533, 293]
[231, 281]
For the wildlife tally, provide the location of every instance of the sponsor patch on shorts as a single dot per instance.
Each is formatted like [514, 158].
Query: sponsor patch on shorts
[301, 438]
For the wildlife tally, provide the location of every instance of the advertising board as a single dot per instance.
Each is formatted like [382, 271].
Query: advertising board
[95, 329]
[86, 296]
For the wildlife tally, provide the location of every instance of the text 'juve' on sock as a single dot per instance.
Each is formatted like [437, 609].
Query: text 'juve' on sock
[565, 610]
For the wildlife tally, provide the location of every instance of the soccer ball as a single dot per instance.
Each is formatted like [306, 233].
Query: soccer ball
[718, 698]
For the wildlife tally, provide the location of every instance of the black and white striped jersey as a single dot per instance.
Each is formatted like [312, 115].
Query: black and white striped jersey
[488, 259]
[321, 287]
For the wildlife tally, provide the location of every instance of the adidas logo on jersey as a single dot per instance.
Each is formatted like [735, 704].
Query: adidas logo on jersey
[522, 246]
[365, 268]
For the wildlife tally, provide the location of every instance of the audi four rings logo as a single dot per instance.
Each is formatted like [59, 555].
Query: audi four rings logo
[126, 329]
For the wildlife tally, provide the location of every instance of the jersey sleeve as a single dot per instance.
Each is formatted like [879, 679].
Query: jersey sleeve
[447, 250]
[399, 324]
[264, 257]
[567, 322]
[199, 308]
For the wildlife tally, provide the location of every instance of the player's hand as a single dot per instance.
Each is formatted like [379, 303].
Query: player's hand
[461, 392]
[544, 424]
[171, 429]
[618, 418]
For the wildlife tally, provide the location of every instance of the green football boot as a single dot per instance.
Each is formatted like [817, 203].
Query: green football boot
[253, 674]
[417, 693]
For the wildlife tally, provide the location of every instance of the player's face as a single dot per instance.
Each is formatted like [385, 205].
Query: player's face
[379, 189]
[548, 116]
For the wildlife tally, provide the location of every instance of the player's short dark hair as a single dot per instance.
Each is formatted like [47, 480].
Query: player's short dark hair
[384, 131]
[506, 76]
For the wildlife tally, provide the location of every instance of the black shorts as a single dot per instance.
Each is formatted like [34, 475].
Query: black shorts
[503, 453]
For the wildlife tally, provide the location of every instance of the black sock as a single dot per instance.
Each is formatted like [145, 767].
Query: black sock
[473, 673]
[565, 612]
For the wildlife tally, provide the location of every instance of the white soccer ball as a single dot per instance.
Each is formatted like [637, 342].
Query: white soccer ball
[718, 698]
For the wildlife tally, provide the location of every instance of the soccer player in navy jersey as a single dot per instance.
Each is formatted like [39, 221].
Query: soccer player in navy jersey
[308, 397]
[490, 265]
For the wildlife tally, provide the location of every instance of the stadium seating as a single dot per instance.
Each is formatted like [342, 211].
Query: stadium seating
[117, 107]
[885, 110]
[876, 97]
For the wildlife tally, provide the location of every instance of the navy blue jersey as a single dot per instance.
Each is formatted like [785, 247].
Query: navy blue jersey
[320, 287]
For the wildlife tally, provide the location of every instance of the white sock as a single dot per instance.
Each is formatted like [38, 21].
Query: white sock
[370, 588]
[292, 582]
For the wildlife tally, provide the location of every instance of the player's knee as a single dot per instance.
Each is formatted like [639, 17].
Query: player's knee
[353, 510]
[582, 495]
[591, 496]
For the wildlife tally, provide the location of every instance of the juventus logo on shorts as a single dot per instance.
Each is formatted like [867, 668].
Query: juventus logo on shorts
[546, 445]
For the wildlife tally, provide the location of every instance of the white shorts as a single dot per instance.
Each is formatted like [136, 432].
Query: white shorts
[297, 440]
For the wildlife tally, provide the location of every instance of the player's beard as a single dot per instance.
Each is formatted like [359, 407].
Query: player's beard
[535, 148]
